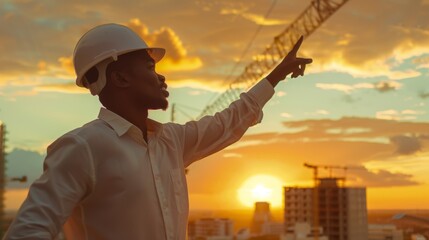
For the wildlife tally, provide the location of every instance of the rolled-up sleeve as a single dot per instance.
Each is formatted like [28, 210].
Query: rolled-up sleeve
[213, 133]
[67, 178]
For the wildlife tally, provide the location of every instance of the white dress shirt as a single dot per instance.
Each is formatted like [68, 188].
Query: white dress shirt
[102, 181]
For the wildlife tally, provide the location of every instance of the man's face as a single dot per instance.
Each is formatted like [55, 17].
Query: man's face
[147, 88]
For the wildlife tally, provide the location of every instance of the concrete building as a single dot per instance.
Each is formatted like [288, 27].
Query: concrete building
[414, 227]
[384, 232]
[211, 229]
[243, 234]
[263, 226]
[340, 211]
[302, 231]
[272, 228]
[261, 217]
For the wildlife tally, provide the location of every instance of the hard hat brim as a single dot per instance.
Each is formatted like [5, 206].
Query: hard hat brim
[155, 53]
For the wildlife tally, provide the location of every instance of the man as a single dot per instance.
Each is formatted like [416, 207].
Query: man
[121, 176]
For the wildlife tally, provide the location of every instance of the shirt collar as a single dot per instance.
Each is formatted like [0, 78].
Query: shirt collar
[120, 125]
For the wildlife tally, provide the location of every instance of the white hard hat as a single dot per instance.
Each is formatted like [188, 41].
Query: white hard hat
[102, 45]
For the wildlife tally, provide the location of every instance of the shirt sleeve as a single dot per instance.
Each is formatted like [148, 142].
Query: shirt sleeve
[213, 133]
[67, 178]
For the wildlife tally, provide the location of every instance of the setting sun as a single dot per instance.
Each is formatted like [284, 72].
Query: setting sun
[261, 188]
[260, 191]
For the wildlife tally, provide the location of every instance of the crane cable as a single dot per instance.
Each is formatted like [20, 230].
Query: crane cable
[246, 49]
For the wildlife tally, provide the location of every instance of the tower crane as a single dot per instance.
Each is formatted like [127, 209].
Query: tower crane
[315, 199]
[307, 22]
[330, 168]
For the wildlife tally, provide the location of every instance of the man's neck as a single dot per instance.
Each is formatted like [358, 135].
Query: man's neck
[137, 118]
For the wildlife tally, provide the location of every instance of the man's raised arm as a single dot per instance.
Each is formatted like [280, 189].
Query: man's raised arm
[213, 133]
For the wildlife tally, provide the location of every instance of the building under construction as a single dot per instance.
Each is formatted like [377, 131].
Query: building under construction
[337, 211]
[2, 178]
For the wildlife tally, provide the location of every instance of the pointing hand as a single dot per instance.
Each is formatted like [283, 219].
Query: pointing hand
[290, 64]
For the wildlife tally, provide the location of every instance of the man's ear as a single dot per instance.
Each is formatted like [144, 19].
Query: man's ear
[118, 79]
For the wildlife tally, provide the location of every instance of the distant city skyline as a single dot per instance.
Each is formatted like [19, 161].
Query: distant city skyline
[262, 223]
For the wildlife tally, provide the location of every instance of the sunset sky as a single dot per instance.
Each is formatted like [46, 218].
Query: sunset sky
[363, 103]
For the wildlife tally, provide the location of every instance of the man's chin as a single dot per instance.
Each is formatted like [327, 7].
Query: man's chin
[165, 108]
[165, 105]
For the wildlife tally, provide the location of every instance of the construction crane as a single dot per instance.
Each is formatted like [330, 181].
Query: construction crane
[306, 23]
[183, 110]
[315, 199]
[330, 168]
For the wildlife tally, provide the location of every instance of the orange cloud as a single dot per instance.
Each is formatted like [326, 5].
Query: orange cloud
[258, 19]
[67, 64]
[42, 66]
[62, 69]
[422, 62]
[354, 43]
[344, 87]
[176, 58]
[392, 114]
[351, 41]
[17, 72]
[382, 86]
[69, 87]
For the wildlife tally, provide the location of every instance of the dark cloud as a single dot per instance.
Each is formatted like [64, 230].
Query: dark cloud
[350, 99]
[380, 178]
[406, 145]
[386, 86]
[424, 95]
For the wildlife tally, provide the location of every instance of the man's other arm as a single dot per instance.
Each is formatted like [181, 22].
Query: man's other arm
[66, 180]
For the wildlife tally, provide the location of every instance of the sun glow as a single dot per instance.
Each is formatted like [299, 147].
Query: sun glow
[260, 191]
[261, 188]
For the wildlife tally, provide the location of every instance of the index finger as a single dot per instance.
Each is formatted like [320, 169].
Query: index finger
[297, 44]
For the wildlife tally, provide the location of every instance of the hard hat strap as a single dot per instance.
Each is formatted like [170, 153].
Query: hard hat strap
[98, 85]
